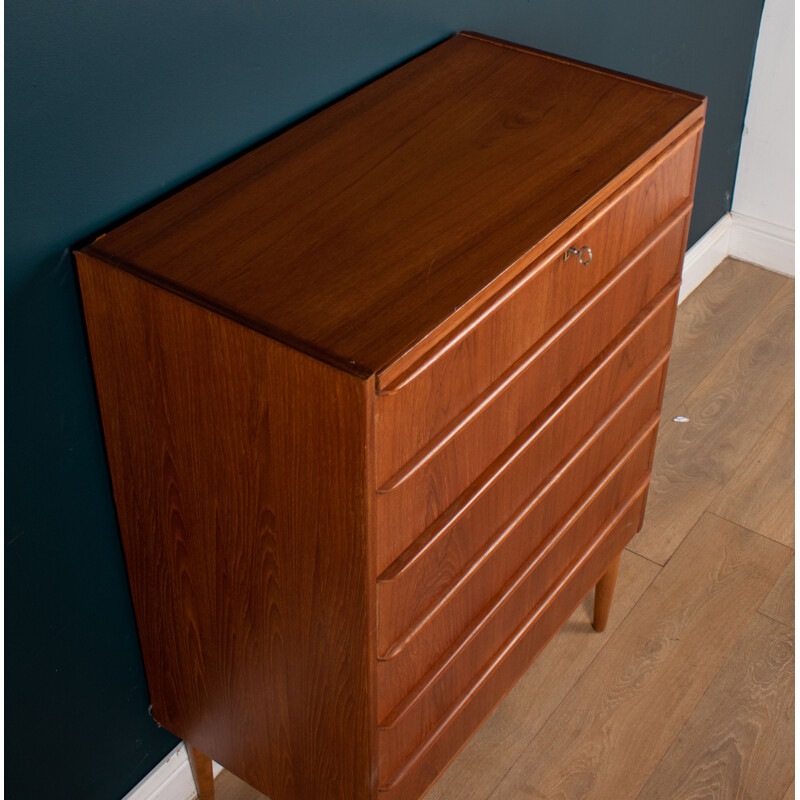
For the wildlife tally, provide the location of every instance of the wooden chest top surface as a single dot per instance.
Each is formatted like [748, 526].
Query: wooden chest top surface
[357, 232]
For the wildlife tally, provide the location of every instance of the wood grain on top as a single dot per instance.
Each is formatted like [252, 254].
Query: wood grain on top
[357, 232]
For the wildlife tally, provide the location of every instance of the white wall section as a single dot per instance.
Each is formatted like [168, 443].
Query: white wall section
[763, 199]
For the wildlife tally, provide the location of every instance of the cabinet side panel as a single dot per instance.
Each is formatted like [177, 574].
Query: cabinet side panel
[239, 473]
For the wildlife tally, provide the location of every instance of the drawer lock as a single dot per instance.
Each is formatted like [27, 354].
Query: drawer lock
[584, 254]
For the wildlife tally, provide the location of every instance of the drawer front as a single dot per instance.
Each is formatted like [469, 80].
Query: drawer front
[544, 478]
[420, 403]
[453, 676]
[527, 539]
[444, 470]
[411, 773]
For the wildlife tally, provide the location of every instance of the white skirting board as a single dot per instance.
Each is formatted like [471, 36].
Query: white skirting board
[743, 237]
[763, 243]
[169, 780]
[704, 255]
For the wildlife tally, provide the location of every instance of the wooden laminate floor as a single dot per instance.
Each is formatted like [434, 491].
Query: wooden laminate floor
[689, 693]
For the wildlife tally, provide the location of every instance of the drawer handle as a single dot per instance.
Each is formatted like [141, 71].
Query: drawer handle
[584, 254]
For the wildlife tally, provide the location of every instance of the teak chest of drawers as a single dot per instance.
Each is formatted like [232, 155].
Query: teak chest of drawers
[380, 399]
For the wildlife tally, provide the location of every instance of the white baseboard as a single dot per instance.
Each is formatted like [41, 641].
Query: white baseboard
[704, 255]
[763, 243]
[170, 780]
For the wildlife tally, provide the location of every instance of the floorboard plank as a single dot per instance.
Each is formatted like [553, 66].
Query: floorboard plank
[760, 494]
[784, 422]
[739, 740]
[711, 319]
[624, 712]
[488, 756]
[779, 603]
[229, 787]
[727, 413]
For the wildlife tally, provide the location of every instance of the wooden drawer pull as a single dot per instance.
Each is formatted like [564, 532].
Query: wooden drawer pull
[584, 254]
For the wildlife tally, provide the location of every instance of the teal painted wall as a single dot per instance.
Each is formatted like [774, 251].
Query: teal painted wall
[109, 105]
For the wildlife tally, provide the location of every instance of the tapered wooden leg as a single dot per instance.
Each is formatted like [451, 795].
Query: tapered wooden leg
[603, 594]
[202, 773]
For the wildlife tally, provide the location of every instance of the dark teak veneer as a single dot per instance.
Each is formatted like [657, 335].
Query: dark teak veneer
[380, 399]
